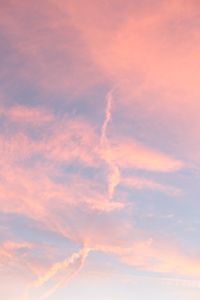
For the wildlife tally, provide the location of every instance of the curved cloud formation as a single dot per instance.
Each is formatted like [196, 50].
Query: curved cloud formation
[99, 145]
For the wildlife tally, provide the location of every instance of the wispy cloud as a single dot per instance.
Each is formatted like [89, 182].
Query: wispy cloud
[98, 100]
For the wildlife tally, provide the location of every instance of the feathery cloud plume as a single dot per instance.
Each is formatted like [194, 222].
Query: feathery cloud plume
[54, 270]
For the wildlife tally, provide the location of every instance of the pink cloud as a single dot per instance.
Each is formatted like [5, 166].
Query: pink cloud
[71, 140]
[142, 183]
[14, 256]
[150, 53]
[130, 154]
[65, 178]
[162, 258]
[32, 115]
[61, 68]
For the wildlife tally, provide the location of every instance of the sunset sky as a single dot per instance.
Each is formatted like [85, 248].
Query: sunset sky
[100, 150]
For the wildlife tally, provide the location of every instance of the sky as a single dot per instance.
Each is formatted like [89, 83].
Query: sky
[99, 150]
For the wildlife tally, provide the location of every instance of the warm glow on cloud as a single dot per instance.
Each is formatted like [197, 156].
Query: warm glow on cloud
[99, 149]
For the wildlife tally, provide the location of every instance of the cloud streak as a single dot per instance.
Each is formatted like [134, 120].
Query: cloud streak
[56, 269]
[113, 172]
[99, 128]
